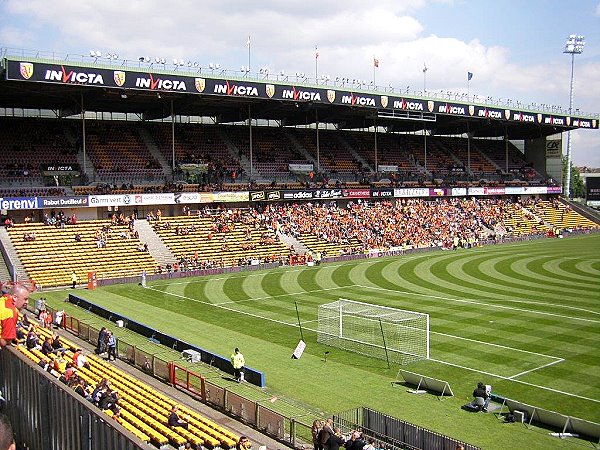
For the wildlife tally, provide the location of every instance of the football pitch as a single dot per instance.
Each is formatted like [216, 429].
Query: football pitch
[523, 317]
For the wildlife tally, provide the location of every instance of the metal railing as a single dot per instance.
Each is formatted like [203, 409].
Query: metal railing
[47, 416]
[292, 430]
[354, 84]
[393, 432]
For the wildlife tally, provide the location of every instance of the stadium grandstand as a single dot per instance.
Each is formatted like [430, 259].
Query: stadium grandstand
[108, 179]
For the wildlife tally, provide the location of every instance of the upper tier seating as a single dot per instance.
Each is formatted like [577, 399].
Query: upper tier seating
[272, 150]
[194, 143]
[117, 148]
[27, 144]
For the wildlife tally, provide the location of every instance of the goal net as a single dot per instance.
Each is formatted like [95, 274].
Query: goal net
[376, 331]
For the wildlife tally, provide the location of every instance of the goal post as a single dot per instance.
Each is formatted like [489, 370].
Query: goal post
[381, 332]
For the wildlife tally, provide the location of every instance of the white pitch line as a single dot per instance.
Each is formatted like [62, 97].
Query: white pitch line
[294, 325]
[536, 368]
[515, 381]
[281, 295]
[224, 307]
[474, 302]
[498, 345]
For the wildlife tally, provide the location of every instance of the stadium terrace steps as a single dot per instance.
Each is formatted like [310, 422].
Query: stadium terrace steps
[155, 152]
[298, 147]
[12, 253]
[156, 246]
[350, 149]
[244, 161]
[291, 240]
[561, 216]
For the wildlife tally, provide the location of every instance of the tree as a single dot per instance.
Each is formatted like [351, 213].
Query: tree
[577, 187]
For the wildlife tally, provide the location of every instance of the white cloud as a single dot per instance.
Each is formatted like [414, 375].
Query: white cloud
[598, 10]
[15, 37]
[284, 34]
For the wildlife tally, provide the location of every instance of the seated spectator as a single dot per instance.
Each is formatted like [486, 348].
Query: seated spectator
[243, 443]
[56, 343]
[79, 359]
[33, 340]
[175, 421]
[101, 390]
[78, 384]
[60, 363]
[370, 444]
[47, 346]
[110, 401]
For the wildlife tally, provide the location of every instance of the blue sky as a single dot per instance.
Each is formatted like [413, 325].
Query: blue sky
[514, 48]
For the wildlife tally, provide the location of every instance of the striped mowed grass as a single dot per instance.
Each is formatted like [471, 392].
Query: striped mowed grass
[523, 317]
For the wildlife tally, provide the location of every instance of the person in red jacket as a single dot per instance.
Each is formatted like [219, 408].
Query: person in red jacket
[10, 305]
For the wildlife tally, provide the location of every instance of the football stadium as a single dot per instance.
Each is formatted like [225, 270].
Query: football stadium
[376, 255]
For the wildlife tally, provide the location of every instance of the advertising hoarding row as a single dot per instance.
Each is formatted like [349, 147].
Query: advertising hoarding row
[203, 84]
[111, 200]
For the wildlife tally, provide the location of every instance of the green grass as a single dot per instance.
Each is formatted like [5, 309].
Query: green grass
[523, 317]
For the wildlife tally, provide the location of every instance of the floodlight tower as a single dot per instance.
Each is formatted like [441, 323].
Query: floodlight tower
[574, 46]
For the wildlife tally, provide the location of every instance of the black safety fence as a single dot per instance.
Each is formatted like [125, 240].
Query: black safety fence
[391, 432]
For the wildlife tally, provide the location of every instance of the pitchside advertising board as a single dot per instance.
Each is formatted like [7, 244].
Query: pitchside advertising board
[101, 201]
[201, 84]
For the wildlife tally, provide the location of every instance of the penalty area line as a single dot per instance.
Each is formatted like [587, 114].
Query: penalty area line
[557, 391]
[536, 368]
[280, 295]
[480, 303]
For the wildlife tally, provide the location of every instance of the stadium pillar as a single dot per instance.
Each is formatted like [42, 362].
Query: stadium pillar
[173, 139]
[376, 160]
[425, 145]
[468, 151]
[83, 135]
[505, 149]
[250, 137]
[318, 146]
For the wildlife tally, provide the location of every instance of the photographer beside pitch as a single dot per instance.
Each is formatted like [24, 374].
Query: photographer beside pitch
[482, 392]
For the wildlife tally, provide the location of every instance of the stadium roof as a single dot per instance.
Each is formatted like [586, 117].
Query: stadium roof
[62, 87]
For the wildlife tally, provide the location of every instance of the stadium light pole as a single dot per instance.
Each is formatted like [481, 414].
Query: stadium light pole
[574, 46]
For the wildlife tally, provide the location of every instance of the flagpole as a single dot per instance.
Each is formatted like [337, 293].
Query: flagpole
[469, 76]
[316, 65]
[374, 68]
[248, 54]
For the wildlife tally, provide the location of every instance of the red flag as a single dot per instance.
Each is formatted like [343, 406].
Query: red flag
[375, 62]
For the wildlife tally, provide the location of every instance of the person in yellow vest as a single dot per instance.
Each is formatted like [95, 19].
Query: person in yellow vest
[238, 363]
[74, 280]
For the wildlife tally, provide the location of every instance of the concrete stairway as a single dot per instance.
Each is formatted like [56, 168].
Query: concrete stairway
[300, 148]
[165, 165]
[243, 159]
[156, 246]
[351, 150]
[12, 253]
[290, 240]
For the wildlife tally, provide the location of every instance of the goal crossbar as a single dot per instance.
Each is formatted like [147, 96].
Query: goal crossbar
[368, 329]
